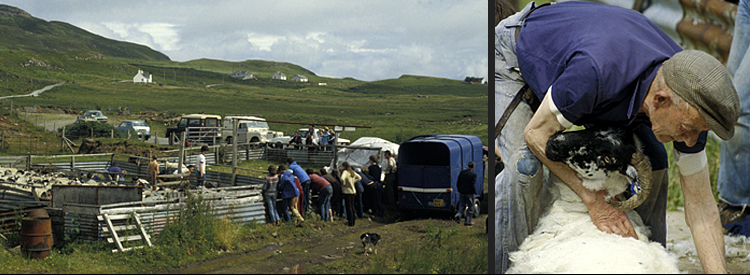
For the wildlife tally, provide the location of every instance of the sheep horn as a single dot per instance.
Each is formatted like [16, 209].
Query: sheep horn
[643, 167]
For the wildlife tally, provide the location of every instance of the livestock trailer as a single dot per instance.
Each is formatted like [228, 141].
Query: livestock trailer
[428, 168]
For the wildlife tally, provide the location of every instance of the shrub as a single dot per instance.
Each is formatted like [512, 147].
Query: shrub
[85, 129]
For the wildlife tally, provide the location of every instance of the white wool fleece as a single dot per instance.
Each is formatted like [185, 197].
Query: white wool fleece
[689, 164]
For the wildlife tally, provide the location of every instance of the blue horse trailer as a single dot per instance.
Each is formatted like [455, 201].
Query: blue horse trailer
[428, 168]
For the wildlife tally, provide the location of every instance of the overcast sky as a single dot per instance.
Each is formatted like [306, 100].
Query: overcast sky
[366, 40]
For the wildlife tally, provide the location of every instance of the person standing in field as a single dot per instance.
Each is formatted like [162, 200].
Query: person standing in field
[348, 179]
[325, 191]
[200, 160]
[270, 191]
[466, 185]
[153, 170]
[391, 179]
[287, 191]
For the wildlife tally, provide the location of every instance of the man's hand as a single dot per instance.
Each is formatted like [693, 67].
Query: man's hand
[608, 219]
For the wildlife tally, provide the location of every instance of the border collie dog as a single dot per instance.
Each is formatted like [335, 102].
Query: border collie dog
[369, 241]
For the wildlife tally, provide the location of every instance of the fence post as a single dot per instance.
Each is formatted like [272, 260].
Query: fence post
[111, 133]
[28, 163]
[72, 163]
[3, 144]
[234, 151]
[181, 155]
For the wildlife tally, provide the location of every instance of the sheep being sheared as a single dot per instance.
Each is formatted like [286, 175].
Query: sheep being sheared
[565, 239]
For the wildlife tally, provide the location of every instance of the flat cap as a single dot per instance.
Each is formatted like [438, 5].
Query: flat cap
[704, 83]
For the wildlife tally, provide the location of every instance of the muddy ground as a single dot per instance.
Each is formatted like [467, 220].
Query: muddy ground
[340, 247]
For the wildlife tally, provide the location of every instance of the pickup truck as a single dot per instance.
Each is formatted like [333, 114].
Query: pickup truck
[200, 128]
[249, 129]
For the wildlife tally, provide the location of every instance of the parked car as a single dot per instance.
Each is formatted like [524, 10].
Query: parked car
[92, 115]
[137, 126]
[201, 128]
[428, 168]
[279, 142]
[249, 129]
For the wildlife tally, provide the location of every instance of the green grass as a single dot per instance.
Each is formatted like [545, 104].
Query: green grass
[440, 251]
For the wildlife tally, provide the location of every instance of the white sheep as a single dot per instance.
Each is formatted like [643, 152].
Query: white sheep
[567, 241]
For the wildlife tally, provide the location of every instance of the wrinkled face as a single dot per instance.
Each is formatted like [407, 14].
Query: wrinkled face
[674, 123]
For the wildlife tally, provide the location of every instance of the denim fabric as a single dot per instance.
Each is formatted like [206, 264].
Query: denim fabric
[465, 201]
[285, 209]
[270, 201]
[359, 208]
[324, 199]
[522, 173]
[734, 175]
[306, 201]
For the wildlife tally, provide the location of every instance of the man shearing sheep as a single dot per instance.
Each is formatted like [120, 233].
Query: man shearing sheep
[591, 64]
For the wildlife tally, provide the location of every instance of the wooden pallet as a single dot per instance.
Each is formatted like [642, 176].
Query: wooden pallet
[118, 223]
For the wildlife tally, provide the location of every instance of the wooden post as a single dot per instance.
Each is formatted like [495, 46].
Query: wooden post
[72, 163]
[92, 132]
[11, 108]
[182, 154]
[3, 144]
[335, 151]
[112, 133]
[28, 163]
[234, 150]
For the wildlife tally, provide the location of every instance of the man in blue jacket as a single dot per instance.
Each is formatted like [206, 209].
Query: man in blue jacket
[304, 180]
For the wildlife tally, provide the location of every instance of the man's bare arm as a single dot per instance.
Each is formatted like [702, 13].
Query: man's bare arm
[540, 128]
[702, 216]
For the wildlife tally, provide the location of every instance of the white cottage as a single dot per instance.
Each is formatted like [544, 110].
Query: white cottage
[279, 75]
[142, 77]
[243, 75]
[299, 78]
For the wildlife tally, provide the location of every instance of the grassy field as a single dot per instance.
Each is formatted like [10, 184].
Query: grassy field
[394, 109]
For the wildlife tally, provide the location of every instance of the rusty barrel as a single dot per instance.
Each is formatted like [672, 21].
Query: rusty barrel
[36, 237]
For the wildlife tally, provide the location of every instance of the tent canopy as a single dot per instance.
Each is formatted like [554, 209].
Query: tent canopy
[358, 153]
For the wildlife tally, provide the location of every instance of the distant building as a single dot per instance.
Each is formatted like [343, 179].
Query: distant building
[279, 75]
[142, 77]
[475, 80]
[243, 75]
[299, 78]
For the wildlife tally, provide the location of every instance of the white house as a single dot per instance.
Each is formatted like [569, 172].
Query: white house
[142, 77]
[243, 75]
[299, 78]
[279, 75]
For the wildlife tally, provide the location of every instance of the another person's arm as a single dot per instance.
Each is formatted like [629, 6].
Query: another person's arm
[540, 128]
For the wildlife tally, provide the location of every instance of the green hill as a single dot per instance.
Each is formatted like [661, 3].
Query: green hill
[21, 31]
[100, 76]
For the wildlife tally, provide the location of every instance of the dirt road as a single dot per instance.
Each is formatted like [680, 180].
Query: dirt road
[341, 246]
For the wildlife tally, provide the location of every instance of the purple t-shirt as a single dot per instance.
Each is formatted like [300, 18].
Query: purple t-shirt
[599, 60]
